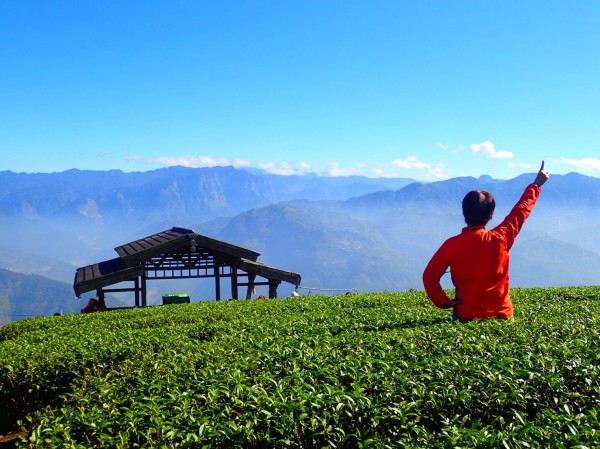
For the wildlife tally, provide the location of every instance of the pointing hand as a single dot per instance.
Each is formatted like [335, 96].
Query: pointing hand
[542, 176]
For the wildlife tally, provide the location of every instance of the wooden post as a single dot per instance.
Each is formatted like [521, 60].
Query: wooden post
[101, 299]
[273, 284]
[144, 297]
[137, 291]
[234, 283]
[217, 282]
[251, 278]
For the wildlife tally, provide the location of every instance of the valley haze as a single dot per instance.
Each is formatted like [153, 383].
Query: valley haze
[346, 233]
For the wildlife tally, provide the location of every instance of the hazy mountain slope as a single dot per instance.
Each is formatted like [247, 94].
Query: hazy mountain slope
[412, 217]
[26, 263]
[547, 262]
[23, 296]
[329, 249]
[403, 228]
[313, 187]
[372, 241]
[76, 214]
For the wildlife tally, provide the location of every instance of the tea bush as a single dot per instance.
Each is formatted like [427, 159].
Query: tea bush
[368, 370]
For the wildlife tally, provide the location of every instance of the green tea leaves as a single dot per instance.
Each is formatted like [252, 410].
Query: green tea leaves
[372, 371]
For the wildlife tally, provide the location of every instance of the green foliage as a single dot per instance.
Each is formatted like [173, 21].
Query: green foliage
[370, 371]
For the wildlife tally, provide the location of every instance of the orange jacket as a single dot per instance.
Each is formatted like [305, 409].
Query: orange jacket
[478, 261]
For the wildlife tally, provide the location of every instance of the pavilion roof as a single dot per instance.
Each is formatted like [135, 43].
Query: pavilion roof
[132, 256]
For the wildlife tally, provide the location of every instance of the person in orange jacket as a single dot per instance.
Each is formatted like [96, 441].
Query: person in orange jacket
[478, 259]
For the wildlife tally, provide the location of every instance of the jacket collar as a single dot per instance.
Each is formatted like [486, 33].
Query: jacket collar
[473, 228]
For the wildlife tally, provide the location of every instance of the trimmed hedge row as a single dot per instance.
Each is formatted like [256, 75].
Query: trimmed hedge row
[369, 370]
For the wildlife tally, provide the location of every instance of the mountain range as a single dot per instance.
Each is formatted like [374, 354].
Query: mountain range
[340, 234]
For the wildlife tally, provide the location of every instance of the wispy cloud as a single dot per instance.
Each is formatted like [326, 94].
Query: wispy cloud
[487, 148]
[409, 167]
[447, 147]
[282, 168]
[240, 163]
[438, 172]
[409, 163]
[432, 172]
[586, 164]
[333, 169]
[279, 168]
[184, 161]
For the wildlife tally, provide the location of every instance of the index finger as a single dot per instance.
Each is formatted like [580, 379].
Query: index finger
[542, 167]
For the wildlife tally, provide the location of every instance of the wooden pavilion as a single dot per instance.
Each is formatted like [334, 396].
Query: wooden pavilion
[180, 254]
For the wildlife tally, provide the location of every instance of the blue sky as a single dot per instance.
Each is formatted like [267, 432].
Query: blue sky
[421, 89]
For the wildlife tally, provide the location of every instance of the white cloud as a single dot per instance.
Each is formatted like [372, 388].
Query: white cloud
[426, 171]
[184, 161]
[585, 164]
[283, 168]
[335, 170]
[394, 169]
[238, 163]
[380, 173]
[438, 172]
[89, 209]
[489, 149]
[410, 163]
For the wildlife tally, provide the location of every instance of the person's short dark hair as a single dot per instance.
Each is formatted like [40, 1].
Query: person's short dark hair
[478, 206]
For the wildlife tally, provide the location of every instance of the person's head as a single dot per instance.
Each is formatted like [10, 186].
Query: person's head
[478, 207]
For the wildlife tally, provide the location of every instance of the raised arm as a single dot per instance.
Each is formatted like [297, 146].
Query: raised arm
[512, 223]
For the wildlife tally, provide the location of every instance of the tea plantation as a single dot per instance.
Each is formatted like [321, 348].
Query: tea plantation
[369, 371]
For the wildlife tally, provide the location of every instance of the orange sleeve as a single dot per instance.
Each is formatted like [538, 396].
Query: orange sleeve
[434, 271]
[512, 224]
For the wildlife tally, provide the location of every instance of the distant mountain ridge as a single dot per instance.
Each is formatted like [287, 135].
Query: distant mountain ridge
[218, 191]
[362, 233]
